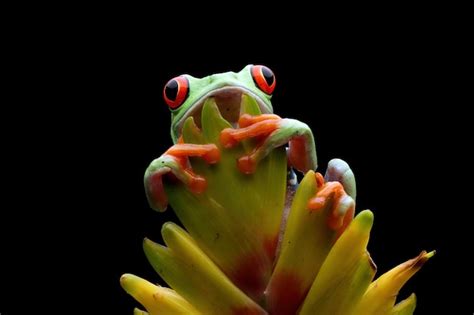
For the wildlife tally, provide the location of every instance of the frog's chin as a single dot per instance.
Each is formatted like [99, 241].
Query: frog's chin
[229, 102]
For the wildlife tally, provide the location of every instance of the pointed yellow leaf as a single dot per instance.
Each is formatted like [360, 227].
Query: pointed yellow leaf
[191, 132]
[405, 307]
[382, 293]
[212, 121]
[136, 311]
[157, 300]
[306, 243]
[250, 106]
[194, 276]
[236, 220]
[345, 274]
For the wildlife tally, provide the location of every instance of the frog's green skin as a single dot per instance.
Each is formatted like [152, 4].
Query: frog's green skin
[217, 84]
[227, 89]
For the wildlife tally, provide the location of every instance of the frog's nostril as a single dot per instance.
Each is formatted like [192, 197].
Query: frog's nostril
[212, 78]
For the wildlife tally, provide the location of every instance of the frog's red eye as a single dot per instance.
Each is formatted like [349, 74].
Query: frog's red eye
[176, 91]
[264, 78]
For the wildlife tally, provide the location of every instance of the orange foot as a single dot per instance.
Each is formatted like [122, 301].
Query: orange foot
[342, 206]
[175, 161]
[271, 131]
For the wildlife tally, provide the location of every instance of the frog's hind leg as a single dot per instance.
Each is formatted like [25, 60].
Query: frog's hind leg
[276, 132]
[175, 163]
[336, 190]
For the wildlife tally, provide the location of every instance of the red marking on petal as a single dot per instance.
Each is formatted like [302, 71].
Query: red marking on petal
[270, 245]
[247, 310]
[285, 293]
[250, 275]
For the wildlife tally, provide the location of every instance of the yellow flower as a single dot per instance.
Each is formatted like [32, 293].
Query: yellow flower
[243, 253]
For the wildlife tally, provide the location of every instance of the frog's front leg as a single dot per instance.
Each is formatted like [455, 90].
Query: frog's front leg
[336, 191]
[275, 132]
[175, 162]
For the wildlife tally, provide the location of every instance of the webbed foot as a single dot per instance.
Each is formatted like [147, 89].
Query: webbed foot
[272, 132]
[336, 190]
[175, 163]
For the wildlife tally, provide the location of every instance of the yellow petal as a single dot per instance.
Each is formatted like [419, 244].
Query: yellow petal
[185, 267]
[306, 243]
[139, 312]
[236, 221]
[405, 307]
[157, 300]
[381, 295]
[345, 274]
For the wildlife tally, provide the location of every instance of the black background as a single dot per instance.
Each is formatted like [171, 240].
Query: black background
[387, 101]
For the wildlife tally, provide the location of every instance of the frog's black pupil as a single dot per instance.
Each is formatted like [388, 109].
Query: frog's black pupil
[268, 75]
[171, 90]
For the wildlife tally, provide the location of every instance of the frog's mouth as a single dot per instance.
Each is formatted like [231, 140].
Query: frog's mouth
[229, 102]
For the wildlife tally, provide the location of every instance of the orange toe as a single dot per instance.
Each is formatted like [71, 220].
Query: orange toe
[246, 164]
[227, 139]
[212, 156]
[246, 120]
[197, 184]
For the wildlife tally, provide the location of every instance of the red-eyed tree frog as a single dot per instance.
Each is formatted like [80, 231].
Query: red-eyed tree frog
[185, 95]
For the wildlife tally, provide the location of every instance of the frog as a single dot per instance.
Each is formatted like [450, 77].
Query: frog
[185, 96]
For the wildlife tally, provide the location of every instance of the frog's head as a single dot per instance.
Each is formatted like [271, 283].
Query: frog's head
[185, 95]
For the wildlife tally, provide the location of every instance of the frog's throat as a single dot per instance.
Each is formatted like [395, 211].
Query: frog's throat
[229, 102]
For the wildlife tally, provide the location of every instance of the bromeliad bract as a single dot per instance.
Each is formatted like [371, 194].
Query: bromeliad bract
[255, 241]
